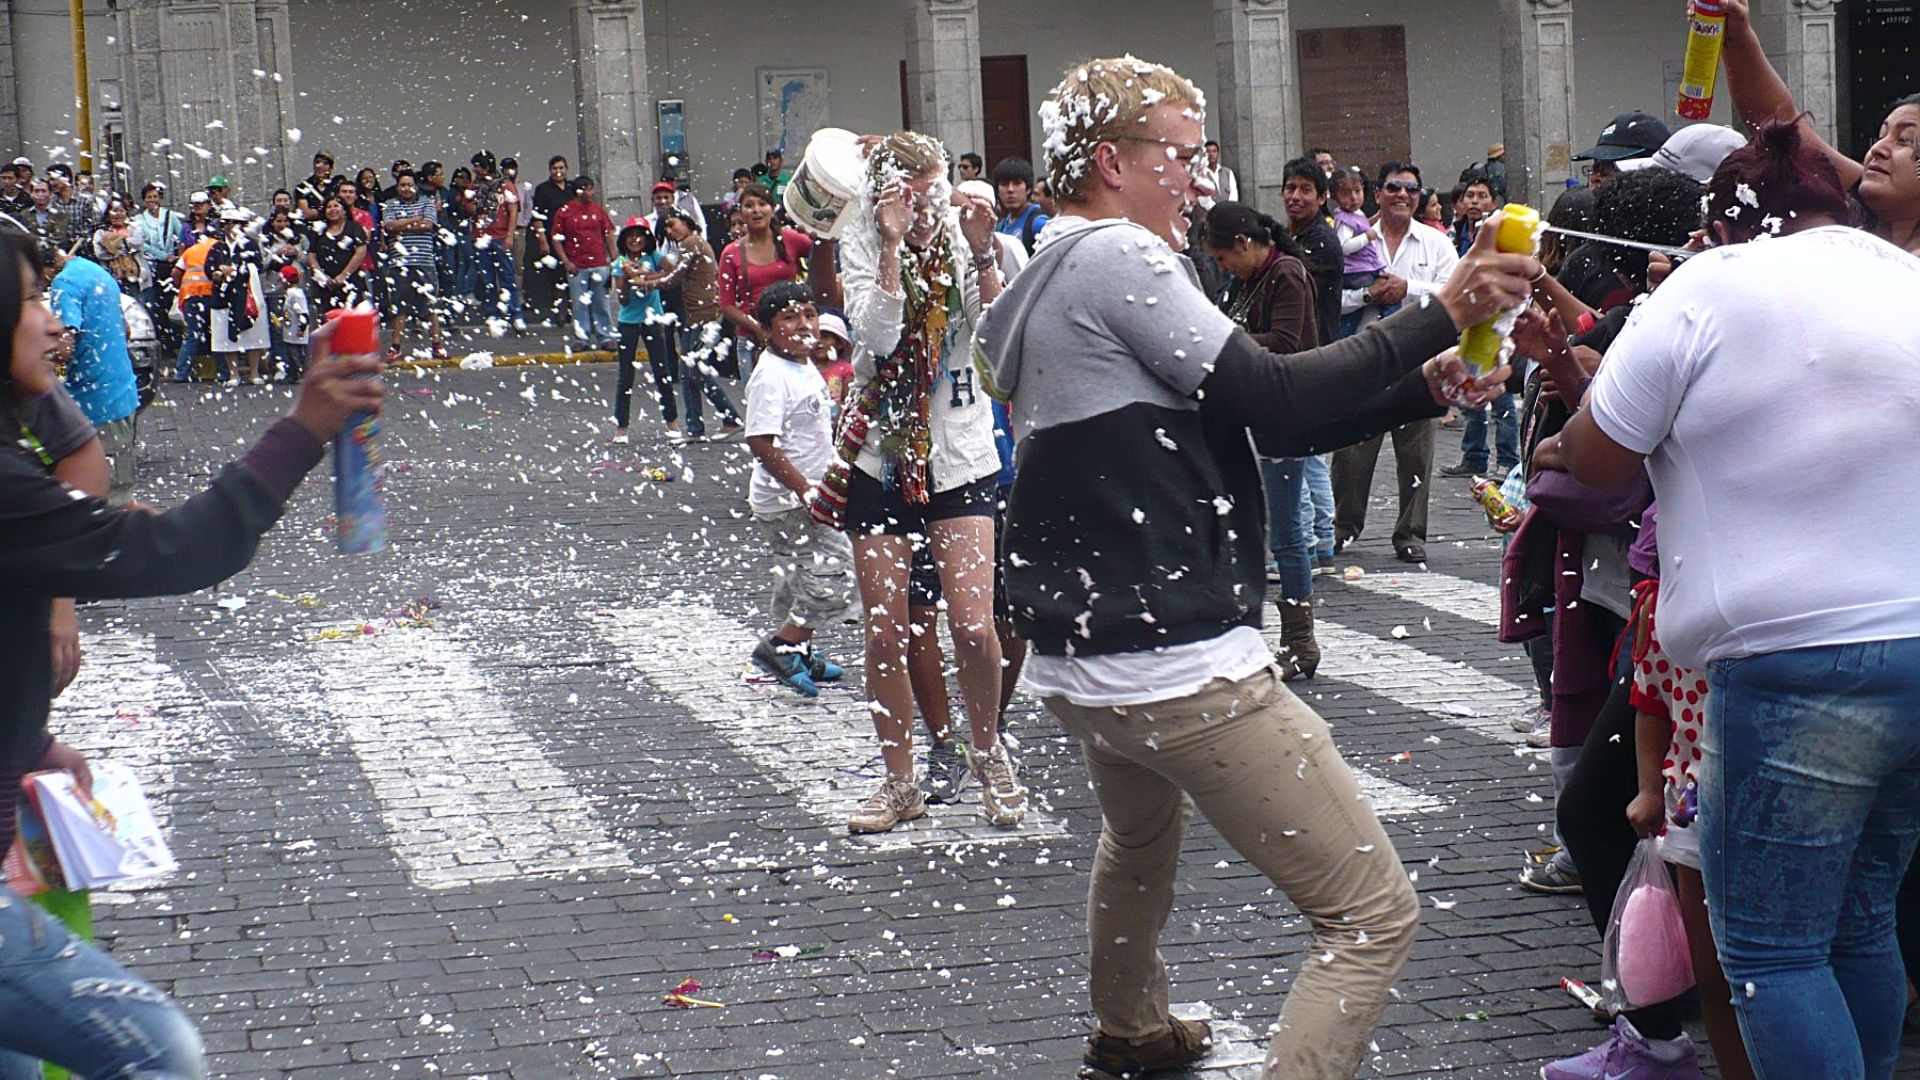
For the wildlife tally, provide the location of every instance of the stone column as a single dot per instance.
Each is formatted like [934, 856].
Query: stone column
[9, 102]
[1536, 91]
[1799, 37]
[193, 105]
[943, 74]
[1258, 108]
[618, 144]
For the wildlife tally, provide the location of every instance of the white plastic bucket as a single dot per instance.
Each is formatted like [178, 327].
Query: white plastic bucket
[826, 183]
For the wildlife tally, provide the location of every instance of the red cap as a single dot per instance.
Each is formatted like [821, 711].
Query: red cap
[666, 186]
[355, 331]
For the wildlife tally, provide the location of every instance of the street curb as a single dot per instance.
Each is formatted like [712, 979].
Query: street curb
[585, 356]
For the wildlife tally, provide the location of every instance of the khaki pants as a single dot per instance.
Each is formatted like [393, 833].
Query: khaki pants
[1353, 483]
[1263, 769]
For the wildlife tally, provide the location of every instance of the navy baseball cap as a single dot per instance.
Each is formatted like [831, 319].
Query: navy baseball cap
[1630, 135]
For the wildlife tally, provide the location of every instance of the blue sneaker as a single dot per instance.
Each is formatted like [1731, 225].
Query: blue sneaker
[821, 668]
[785, 662]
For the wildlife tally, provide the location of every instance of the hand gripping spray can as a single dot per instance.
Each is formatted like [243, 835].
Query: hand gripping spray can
[1706, 32]
[1482, 344]
[359, 469]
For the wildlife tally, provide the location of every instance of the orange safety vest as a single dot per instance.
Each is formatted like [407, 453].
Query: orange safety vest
[193, 267]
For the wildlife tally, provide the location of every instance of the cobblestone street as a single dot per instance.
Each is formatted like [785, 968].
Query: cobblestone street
[474, 805]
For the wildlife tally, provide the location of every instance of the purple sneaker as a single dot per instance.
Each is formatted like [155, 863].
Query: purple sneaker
[1627, 1055]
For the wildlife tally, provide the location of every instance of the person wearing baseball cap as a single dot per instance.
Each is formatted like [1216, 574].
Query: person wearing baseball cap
[217, 191]
[1694, 151]
[1630, 135]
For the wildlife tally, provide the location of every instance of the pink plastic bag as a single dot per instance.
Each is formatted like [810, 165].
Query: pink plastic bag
[1644, 959]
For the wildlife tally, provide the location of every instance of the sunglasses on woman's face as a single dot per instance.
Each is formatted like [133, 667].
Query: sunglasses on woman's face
[1400, 187]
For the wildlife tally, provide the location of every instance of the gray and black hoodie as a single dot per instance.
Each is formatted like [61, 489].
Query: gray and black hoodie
[1137, 519]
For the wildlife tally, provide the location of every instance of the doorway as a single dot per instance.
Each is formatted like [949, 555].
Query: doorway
[1881, 45]
[1353, 94]
[1003, 100]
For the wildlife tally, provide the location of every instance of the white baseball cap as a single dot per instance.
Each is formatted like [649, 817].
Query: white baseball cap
[1694, 151]
[199, 197]
[835, 325]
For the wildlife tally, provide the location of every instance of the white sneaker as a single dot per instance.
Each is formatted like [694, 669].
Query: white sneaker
[1001, 796]
[621, 439]
[897, 799]
[1529, 719]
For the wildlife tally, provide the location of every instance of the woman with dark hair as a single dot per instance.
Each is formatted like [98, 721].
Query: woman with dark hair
[636, 278]
[1886, 182]
[1274, 300]
[55, 541]
[337, 259]
[765, 256]
[1809, 784]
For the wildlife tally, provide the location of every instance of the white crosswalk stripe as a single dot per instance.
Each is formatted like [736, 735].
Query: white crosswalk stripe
[830, 767]
[1452, 692]
[467, 795]
[706, 679]
[1470, 600]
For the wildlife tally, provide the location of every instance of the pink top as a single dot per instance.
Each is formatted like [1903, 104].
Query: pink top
[742, 282]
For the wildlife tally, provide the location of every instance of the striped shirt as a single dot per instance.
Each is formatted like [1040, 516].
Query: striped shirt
[416, 249]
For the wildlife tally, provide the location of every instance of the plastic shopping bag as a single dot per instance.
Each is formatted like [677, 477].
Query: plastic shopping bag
[1644, 959]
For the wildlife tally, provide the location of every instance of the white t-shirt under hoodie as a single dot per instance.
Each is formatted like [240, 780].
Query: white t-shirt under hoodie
[788, 400]
[1775, 387]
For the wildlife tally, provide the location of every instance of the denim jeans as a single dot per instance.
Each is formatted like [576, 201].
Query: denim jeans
[1317, 509]
[1292, 546]
[497, 287]
[592, 305]
[64, 1001]
[1809, 809]
[197, 313]
[1506, 438]
[699, 345]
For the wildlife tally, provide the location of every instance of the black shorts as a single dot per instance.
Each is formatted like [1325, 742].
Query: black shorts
[410, 291]
[873, 510]
[923, 580]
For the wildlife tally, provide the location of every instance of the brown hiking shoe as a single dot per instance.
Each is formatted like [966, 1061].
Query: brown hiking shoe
[1109, 1057]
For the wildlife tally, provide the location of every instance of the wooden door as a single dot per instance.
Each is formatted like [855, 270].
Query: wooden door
[1353, 94]
[1009, 122]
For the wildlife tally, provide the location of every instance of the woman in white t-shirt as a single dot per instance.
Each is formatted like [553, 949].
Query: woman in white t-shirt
[919, 263]
[1786, 551]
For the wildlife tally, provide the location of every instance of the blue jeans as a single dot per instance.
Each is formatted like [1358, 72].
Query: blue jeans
[198, 315]
[64, 1001]
[1291, 545]
[1317, 509]
[699, 344]
[592, 305]
[1506, 439]
[1809, 809]
[497, 286]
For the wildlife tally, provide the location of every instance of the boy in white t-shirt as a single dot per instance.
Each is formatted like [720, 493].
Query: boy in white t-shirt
[790, 432]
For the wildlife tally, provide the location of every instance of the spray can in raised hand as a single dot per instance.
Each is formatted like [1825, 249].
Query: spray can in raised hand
[359, 469]
[1706, 32]
[1504, 515]
[1481, 344]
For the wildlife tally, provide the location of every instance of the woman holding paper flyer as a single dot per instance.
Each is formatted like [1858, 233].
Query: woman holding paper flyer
[61, 1000]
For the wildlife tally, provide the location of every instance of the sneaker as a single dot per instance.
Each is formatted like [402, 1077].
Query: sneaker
[620, 438]
[1541, 737]
[1628, 1055]
[1555, 877]
[728, 433]
[947, 773]
[1463, 469]
[822, 669]
[1004, 800]
[1323, 566]
[1109, 1057]
[785, 662]
[675, 434]
[894, 801]
[1529, 719]
[1541, 856]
